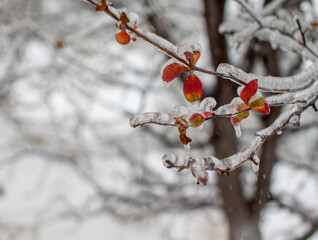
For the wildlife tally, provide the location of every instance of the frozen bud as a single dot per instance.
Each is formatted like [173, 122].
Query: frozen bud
[169, 160]
[199, 173]
[295, 120]
[133, 18]
[279, 132]
[255, 163]
[178, 111]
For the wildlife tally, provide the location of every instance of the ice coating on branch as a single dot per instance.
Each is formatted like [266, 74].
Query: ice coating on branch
[269, 83]
[282, 33]
[159, 40]
[285, 43]
[207, 105]
[151, 117]
[199, 173]
[196, 165]
[191, 47]
[178, 111]
[295, 120]
[227, 109]
[133, 19]
[171, 160]
[115, 11]
[257, 161]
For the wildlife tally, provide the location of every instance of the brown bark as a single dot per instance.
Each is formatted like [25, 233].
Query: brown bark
[242, 225]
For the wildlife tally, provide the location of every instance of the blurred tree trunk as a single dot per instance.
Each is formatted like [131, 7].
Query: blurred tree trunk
[242, 223]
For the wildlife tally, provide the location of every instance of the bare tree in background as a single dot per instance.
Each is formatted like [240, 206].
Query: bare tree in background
[68, 91]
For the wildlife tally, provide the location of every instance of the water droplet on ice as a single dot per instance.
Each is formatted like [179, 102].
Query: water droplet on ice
[178, 111]
[187, 147]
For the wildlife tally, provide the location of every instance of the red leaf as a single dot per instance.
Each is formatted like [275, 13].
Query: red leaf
[207, 114]
[196, 120]
[235, 120]
[172, 71]
[249, 91]
[260, 105]
[192, 88]
[123, 37]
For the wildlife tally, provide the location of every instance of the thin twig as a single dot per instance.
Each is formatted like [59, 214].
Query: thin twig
[301, 32]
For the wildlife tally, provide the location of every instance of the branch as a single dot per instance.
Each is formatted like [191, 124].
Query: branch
[250, 11]
[162, 44]
[228, 164]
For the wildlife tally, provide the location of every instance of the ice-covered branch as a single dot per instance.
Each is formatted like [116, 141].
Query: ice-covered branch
[211, 163]
[287, 35]
[162, 44]
[273, 84]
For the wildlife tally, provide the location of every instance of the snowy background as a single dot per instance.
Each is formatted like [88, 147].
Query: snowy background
[70, 165]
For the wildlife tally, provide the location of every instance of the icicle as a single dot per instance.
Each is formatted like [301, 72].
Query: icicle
[199, 173]
[207, 104]
[178, 111]
[257, 161]
[187, 147]
[238, 131]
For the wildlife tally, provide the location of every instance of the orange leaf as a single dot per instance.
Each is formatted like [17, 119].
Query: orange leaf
[123, 18]
[249, 91]
[101, 6]
[260, 105]
[196, 56]
[192, 88]
[123, 37]
[196, 120]
[172, 71]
